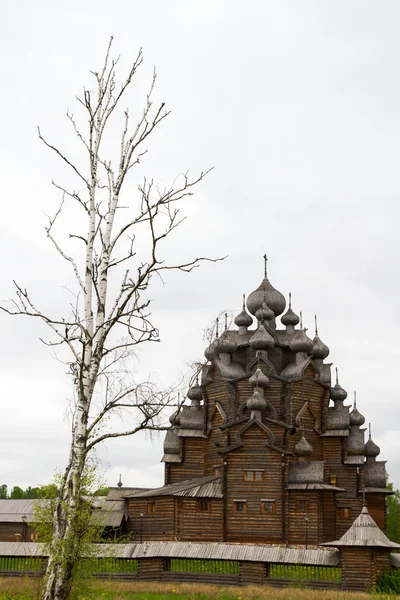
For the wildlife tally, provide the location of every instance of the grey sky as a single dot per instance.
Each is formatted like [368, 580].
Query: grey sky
[297, 106]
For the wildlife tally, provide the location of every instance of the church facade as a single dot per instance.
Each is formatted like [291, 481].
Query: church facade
[266, 450]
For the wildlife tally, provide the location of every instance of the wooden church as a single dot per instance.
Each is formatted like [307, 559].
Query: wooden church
[267, 451]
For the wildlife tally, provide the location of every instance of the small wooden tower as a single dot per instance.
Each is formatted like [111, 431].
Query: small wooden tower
[365, 551]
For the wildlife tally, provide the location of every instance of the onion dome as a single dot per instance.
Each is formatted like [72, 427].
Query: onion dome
[194, 393]
[226, 344]
[258, 379]
[261, 339]
[300, 342]
[370, 448]
[337, 392]
[274, 299]
[256, 402]
[290, 318]
[243, 319]
[212, 349]
[303, 448]
[356, 418]
[264, 313]
[209, 352]
[175, 419]
[319, 350]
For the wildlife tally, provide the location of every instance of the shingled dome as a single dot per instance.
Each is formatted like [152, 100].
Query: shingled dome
[290, 317]
[264, 313]
[319, 349]
[338, 393]
[371, 449]
[265, 291]
[226, 344]
[303, 448]
[356, 418]
[243, 319]
[261, 339]
[258, 379]
[301, 342]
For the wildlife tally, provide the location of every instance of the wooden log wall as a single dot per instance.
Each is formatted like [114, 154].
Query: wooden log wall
[296, 522]
[201, 526]
[252, 573]
[253, 523]
[214, 444]
[307, 389]
[192, 464]
[381, 563]
[157, 525]
[376, 505]
[151, 569]
[328, 508]
[358, 568]
[14, 532]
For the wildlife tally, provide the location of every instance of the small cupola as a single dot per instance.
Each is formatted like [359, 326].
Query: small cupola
[258, 379]
[264, 313]
[243, 320]
[337, 393]
[261, 339]
[256, 404]
[303, 449]
[320, 351]
[371, 450]
[290, 319]
[274, 299]
[356, 418]
[301, 342]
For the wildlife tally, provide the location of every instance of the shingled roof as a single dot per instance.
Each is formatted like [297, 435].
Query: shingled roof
[364, 532]
[201, 487]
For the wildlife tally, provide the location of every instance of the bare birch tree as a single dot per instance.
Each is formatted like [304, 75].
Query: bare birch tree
[105, 321]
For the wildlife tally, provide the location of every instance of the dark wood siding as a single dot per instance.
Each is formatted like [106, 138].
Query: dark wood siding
[253, 523]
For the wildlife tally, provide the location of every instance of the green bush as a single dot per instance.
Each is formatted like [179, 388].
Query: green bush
[390, 583]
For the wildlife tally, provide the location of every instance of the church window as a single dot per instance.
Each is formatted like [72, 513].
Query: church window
[345, 512]
[302, 505]
[150, 508]
[240, 506]
[203, 505]
[268, 506]
[256, 475]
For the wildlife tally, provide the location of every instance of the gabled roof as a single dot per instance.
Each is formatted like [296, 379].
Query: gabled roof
[201, 487]
[364, 532]
[118, 493]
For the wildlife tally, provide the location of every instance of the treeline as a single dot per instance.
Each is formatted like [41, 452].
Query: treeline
[32, 493]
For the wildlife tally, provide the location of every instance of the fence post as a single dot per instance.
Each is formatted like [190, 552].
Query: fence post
[252, 572]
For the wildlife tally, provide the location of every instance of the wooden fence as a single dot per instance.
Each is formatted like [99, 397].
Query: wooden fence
[221, 572]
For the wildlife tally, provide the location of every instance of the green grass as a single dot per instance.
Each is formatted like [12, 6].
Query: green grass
[20, 563]
[305, 572]
[189, 565]
[22, 588]
[96, 565]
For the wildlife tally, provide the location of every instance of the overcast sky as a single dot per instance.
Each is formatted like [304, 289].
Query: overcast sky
[296, 104]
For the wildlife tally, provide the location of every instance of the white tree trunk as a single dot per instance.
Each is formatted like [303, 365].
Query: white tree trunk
[86, 334]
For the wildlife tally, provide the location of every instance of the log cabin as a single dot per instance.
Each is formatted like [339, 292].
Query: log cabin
[266, 451]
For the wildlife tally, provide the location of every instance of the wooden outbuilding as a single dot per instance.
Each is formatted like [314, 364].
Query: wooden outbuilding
[365, 553]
